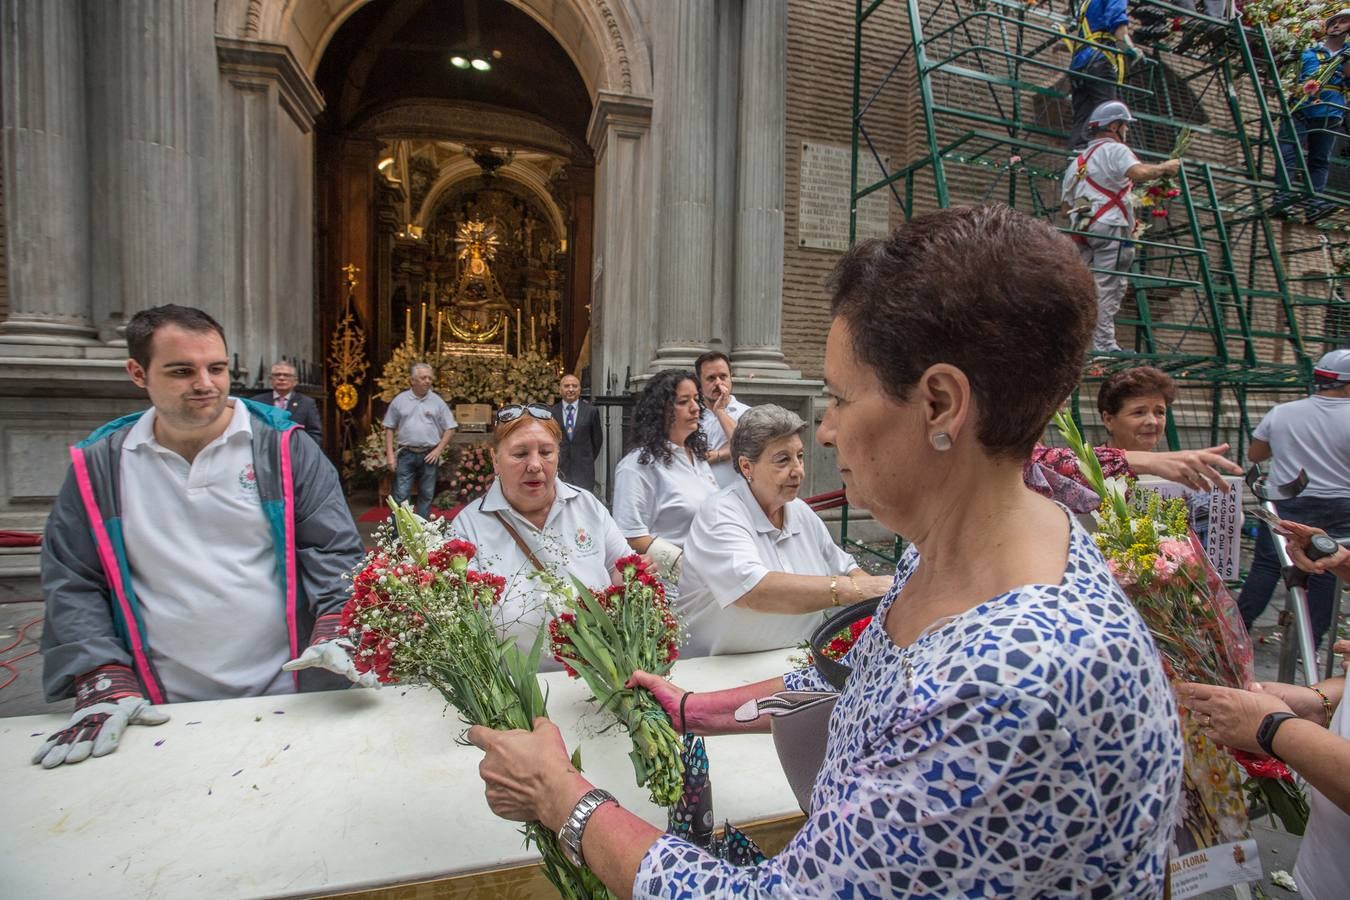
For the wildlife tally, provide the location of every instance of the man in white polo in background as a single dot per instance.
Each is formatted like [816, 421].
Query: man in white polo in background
[421, 425]
[720, 413]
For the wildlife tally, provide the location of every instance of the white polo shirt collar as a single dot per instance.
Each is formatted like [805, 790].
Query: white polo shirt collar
[142, 433]
[760, 521]
[495, 501]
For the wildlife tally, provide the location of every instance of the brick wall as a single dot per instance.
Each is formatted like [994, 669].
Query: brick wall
[819, 108]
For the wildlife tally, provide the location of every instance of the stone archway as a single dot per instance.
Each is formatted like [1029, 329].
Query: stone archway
[608, 43]
[602, 37]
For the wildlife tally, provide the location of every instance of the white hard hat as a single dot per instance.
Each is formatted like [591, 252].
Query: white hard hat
[1108, 112]
[1339, 14]
[1333, 368]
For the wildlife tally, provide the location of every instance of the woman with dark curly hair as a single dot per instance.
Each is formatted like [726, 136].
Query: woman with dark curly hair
[665, 477]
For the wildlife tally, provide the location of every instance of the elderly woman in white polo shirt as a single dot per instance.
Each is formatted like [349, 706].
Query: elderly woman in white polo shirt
[760, 565]
[531, 522]
[665, 477]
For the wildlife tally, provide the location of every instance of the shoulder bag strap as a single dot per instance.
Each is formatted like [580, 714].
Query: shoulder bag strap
[520, 542]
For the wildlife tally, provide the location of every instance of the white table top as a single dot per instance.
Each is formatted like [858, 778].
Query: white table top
[317, 793]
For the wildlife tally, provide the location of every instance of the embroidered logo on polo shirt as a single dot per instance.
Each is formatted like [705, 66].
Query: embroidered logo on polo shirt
[248, 480]
[585, 543]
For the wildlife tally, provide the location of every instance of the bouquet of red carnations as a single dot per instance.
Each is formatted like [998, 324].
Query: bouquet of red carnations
[605, 636]
[418, 615]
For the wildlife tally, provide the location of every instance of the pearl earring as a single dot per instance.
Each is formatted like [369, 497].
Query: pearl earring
[941, 441]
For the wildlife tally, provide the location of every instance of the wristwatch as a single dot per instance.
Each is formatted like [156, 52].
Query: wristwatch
[569, 836]
[1265, 733]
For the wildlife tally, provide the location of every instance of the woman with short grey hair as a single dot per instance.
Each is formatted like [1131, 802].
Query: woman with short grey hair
[760, 566]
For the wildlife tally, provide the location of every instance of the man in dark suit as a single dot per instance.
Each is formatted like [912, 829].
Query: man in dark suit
[582, 434]
[283, 395]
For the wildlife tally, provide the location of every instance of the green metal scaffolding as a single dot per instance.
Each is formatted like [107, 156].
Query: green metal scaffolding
[1232, 300]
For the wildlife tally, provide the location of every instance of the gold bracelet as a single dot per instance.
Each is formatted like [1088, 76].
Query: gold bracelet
[857, 591]
[1326, 704]
[834, 589]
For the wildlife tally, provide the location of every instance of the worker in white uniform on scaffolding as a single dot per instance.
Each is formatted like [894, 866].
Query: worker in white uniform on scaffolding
[1096, 197]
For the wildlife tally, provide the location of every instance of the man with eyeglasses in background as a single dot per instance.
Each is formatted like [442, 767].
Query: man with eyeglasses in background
[420, 425]
[283, 395]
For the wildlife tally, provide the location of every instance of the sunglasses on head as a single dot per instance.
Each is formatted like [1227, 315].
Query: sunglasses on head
[516, 410]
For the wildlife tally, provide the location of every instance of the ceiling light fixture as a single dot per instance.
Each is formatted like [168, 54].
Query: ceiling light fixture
[478, 60]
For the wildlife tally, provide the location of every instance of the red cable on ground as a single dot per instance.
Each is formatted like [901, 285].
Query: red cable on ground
[19, 639]
[14, 673]
[9, 663]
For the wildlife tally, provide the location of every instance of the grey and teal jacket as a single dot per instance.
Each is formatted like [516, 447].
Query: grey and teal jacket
[92, 616]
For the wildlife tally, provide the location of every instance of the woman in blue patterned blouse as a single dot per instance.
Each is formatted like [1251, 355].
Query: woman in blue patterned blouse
[1007, 729]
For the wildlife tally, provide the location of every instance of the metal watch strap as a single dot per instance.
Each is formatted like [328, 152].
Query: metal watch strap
[1265, 732]
[569, 836]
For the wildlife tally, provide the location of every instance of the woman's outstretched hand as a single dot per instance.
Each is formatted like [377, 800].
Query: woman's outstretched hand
[1196, 469]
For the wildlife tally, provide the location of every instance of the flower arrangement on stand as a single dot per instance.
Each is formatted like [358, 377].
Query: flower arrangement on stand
[471, 477]
[602, 637]
[1165, 573]
[495, 380]
[418, 615]
[373, 459]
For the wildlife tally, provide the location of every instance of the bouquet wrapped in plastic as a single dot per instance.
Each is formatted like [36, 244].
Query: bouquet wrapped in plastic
[1196, 626]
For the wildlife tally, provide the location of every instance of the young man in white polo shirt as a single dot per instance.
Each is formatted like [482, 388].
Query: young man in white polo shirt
[194, 548]
[721, 412]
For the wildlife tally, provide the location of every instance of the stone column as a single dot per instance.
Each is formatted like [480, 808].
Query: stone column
[759, 228]
[46, 174]
[266, 160]
[623, 316]
[154, 218]
[686, 72]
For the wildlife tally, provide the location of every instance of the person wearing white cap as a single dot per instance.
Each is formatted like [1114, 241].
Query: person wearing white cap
[1315, 118]
[1312, 435]
[1096, 196]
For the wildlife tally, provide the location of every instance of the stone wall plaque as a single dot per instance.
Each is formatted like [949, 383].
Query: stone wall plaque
[823, 197]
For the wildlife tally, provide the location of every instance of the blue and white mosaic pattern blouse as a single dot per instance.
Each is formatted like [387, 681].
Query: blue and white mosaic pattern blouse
[1029, 747]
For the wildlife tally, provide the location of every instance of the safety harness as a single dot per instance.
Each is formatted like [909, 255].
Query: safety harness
[1114, 199]
[1087, 33]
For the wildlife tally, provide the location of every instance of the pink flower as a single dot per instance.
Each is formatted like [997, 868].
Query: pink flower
[1122, 575]
[1179, 551]
[1311, 86]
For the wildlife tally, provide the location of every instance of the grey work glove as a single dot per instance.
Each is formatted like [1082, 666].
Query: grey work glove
[329, 649]
[108, 699]
[335, 656]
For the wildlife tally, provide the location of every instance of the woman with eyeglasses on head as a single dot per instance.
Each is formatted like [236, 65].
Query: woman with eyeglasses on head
[531, 520]
[760, 565]
[665, 477]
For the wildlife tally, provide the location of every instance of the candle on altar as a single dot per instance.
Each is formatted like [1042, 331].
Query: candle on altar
[506, 335]
[534, 340]
[422, 330]
[407, 324]
[520, 334]
[438, 332]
